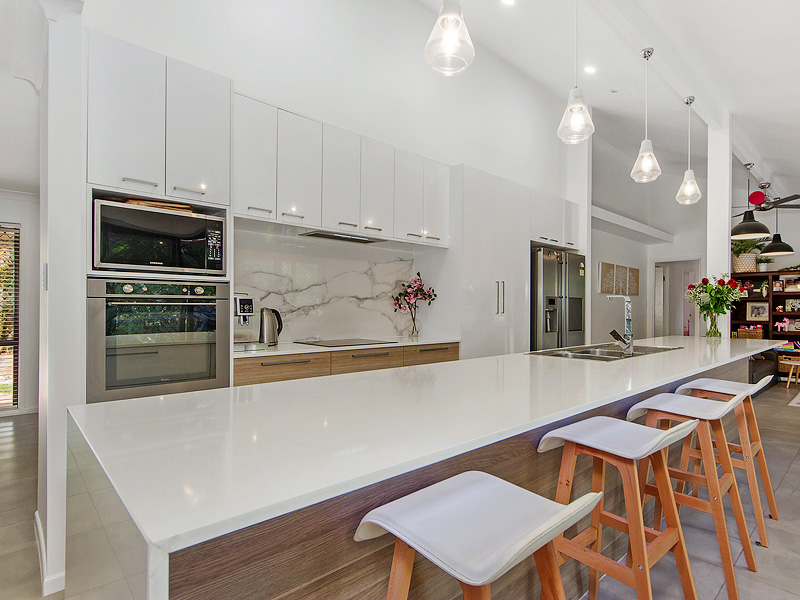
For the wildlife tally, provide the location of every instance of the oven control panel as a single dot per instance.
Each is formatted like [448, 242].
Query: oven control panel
[156, 288]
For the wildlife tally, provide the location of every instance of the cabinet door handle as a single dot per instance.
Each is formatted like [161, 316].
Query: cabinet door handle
[541, 237]
[185, 189]
[290, 214]
[415, 235]
[433, 237]
[132, 180]
[287, 362]
[497, 299]
[503, 309]
[570, 244]
[266, 210]
[435, 349]
[348, 224]
[370, 355]
[374, 228]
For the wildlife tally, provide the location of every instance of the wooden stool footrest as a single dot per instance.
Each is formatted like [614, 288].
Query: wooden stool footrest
[662, 544]
[594, 560]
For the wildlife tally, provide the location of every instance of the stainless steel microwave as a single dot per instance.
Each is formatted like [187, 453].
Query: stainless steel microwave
[132, 237]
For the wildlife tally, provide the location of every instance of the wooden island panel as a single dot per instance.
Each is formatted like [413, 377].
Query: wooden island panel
[310, 553]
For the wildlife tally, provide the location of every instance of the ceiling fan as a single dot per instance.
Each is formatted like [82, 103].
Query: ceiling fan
[762, 201]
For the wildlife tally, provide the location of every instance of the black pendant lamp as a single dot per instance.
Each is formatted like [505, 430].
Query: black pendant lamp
[777, 247]
[749, 228]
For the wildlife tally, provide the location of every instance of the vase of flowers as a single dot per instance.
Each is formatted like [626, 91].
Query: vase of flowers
[410, 294]
[714, 297]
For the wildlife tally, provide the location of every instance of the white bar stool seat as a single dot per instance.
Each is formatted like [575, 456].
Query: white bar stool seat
[750, 446]
[615, 436]
[661, 411]
[622, 444]
[475, 527]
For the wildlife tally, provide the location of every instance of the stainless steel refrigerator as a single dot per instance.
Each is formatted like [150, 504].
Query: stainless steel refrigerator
[558, 299]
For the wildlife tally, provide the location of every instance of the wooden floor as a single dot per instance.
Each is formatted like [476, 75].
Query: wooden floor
[778, 577]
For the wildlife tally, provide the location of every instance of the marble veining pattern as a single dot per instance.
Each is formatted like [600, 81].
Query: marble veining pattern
[323, 289]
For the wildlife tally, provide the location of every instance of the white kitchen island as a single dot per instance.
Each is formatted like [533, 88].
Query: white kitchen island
[198, 466]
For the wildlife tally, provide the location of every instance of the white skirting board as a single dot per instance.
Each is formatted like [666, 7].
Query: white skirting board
[51, 583]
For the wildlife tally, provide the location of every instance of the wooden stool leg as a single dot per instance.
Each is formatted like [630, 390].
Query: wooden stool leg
[564, 491]
[633, 508]
[471, 592]
[717, 510]
[671, 516]
[750, 469]
[755, 435]
[789, 378]
[549, 574]
[698, 464]
[733, 492]
[687, 445]
[598, 485]
[400, 577]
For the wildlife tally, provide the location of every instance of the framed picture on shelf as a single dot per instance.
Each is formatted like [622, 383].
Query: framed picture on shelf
[777, 285]
[758, 311]
[793, 305]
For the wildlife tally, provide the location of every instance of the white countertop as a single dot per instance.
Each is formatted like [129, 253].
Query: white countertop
[283, 348]
[190, 467]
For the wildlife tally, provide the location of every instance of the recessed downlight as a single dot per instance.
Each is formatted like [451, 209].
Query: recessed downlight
[590, 69]
[508, 2]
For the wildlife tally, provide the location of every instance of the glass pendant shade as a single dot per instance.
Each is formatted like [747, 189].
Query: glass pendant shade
[749, 228]
[449, 50]
[689, 192]
[777, 247]
[646, 168]
[576, 125]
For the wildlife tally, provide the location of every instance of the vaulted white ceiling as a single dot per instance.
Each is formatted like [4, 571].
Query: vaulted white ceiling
[743, 55]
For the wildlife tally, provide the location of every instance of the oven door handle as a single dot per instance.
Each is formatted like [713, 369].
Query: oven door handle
[161, 303]
[131, 353]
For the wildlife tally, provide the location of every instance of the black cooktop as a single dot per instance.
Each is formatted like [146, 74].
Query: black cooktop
[349, 342]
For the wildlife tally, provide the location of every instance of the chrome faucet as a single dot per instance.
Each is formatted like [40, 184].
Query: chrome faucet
[627, 339]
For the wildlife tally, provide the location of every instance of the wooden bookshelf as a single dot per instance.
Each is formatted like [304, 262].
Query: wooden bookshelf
[740, 311]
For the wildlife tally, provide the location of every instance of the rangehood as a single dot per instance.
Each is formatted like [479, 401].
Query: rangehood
[342, 237]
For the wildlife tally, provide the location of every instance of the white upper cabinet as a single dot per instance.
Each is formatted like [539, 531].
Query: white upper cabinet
[255, 157]
[437, 202]
[571, 217]
[547, 219]
[299, 170]
[377, 188]
[408, 197]
[198, 133]
[126, 107]
[341, 179]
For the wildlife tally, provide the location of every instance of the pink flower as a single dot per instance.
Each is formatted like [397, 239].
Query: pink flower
[403, 309]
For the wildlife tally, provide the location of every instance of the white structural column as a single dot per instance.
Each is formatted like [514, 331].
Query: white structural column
[579, 191]
[718, 220]
[62, 318]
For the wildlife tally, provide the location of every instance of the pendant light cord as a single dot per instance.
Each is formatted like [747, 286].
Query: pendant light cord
[576, 43]
[646, 97]
[689, 157]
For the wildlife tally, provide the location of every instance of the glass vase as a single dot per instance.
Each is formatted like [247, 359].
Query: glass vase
[712, 329]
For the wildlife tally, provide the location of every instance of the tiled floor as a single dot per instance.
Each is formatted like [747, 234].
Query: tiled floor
[105, 554]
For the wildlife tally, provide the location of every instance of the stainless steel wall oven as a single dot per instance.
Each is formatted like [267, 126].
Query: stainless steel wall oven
[146, 338]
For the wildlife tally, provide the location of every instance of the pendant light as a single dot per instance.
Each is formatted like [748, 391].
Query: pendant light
[449, 50]
[576, 125]
[689, 192]
[777, 247]
[749, 228]
[646, 168]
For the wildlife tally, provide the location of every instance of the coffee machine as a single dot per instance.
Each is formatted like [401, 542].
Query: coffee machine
[246, 321]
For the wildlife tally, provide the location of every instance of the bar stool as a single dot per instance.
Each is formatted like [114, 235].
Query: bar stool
[749, 446]
[475, 527]
[661, 410]
[621, 444]
[793, 364]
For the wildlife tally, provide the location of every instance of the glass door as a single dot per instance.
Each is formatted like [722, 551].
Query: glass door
[9, 317]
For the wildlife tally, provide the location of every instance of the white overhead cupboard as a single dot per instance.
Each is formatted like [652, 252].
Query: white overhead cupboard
[156, 125]
[333, 179]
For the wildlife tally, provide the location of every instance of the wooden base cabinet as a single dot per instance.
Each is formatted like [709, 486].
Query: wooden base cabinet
[266, 369]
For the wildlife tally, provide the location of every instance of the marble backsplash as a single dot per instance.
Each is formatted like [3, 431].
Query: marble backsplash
[323, 289]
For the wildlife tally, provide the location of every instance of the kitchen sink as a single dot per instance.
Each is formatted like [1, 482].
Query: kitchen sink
[603, 352]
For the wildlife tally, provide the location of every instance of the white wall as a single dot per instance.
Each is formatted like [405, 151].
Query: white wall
[23, 210]
[359, 65]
